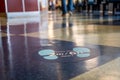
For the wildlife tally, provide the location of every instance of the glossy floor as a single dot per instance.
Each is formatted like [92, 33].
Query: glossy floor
[51, 47]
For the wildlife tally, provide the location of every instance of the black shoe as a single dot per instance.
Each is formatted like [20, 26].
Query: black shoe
[64, 15]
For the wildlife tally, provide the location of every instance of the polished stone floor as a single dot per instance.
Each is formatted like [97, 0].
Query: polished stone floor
[51, 47]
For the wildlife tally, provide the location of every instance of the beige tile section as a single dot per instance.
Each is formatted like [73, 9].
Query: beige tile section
[84, 31]
[3, 34]
[108, 71]
[103, 38]
[6, 35]
[108, 39]
[3, 21]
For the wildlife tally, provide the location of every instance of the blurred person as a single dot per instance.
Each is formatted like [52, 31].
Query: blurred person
[51, 4]
[67, 8]
[78, 5]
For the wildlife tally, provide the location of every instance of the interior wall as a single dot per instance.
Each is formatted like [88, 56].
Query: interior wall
[14, 6]
[21, 5]
[31, 5]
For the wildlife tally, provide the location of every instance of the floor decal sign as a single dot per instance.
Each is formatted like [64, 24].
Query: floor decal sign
[50, 54]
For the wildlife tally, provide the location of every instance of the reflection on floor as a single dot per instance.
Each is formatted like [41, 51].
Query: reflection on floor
[51, 47]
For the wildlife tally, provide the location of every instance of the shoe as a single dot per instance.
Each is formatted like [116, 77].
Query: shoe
[64, 15]
[70, 13]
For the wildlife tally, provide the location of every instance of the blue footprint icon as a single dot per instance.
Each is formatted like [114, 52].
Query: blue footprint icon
[82, 52]
[48, 54]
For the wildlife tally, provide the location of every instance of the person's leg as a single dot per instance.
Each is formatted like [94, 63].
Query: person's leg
[64, 7]
[70, 5]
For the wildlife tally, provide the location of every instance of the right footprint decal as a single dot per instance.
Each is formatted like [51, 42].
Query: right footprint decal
[82, 52]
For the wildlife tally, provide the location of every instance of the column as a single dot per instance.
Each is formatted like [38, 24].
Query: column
[2, 8]
[102, 8]
[111, 9]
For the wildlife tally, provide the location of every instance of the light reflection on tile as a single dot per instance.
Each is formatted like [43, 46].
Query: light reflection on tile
[108, 71]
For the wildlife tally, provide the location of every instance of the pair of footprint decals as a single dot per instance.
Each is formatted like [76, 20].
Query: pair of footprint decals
[50, 54]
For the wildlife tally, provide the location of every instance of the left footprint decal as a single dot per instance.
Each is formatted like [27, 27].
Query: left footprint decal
[48, 54]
